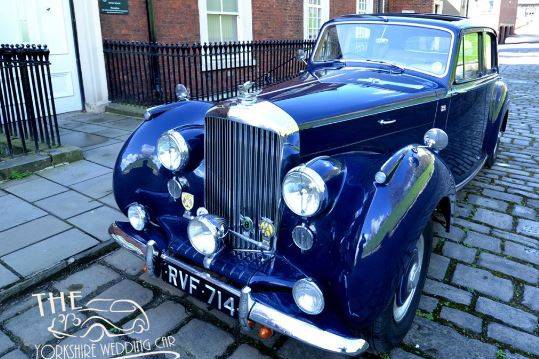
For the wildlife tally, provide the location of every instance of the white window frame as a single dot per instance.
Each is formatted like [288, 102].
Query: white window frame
[244, 31]
[369, 6]
[324, 15]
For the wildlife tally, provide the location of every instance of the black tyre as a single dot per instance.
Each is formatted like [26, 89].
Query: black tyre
[390, 327]
[491, 160]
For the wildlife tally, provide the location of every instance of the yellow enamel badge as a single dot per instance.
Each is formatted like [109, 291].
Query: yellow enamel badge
[188, 201]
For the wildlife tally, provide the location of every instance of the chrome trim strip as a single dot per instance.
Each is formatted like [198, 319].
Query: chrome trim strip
[258, 312]
[472, 175]
[265, 115]
[449, 57]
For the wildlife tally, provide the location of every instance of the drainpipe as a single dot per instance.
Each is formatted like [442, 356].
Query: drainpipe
[155, 80]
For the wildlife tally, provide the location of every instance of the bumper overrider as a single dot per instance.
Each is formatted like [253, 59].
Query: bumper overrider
[248, 309]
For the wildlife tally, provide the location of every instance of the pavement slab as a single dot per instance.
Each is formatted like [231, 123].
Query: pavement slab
[97, 187]
[129, 290]
[190, 342]
[45, 254]
[36, 189]
[105, 156]
[75, 172]
[68, 204]
[15, 211]
[87, 280]
[96, 222]
[7, 277]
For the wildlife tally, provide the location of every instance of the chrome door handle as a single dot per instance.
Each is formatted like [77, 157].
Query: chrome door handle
[388, 122]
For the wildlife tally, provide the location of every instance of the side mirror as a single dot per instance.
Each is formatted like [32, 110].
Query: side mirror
[302, 56]
[436, 139]
[182, 93]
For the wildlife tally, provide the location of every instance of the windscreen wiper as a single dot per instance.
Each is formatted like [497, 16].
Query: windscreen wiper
[395, 67]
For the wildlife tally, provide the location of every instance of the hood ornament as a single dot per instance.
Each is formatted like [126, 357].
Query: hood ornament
[247, 95]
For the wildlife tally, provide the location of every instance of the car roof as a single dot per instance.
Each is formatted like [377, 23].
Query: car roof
[452, 22]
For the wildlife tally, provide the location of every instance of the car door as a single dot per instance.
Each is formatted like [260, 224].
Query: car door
[468, 110]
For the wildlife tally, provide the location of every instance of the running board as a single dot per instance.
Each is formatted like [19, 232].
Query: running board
[474, 173]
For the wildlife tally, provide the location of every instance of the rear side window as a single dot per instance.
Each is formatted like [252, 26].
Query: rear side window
[489, 52]
[468, 58]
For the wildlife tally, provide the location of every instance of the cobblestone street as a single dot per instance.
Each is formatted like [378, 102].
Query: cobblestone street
[481, 298]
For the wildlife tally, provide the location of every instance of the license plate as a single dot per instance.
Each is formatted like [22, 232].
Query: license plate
[214, 296]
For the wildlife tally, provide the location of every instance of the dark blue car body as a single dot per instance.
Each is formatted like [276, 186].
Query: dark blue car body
[362, 237]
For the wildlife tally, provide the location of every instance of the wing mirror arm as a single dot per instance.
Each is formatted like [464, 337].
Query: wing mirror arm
[302, 56]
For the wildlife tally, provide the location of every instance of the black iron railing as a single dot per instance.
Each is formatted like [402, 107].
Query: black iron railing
[28, 114]
[147, 73]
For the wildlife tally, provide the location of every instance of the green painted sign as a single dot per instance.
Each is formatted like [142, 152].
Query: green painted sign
[116, 7]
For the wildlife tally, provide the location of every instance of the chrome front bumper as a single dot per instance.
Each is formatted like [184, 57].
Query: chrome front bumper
[249, 309]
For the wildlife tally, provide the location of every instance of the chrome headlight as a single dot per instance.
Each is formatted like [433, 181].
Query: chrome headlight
[206, 233]
[308, 296]
[172, 150]
[304, 191]
[137, 216]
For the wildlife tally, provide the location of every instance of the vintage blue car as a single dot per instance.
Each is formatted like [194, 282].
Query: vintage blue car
[307, 208]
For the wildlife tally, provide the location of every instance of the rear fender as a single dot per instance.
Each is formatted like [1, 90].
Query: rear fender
[499, 112]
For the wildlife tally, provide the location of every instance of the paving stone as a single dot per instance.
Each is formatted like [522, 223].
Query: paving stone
[96, 336]
[125, 261]
[511, 268]
[528, 228]
[245, 351]
[525, 212]
[462, 319]
[160, 321]
[32, 328]
[483, 282]
[446, 291]
[15, 354]
[7, 277]
[74, 172]
[483, 241]
[125, 124]
[105, 156]
[496, 219]
[97, 221]
[472, 225]
[531, 297]
[437, 266]
[459, 252]
[109, 200]
[44, 254]
[293, 349]
[503, 196]
[96, 187]
[87, 280]
[488, 202]
[190, 342]
[30, 233]
[509, 355]
[126, 289]
[5, 343]
[36, 189]
[507, 314]
[165, 287]
[526, 342]
[68, 204]
[15, 211]
[16, 306]
[401, 354]
[456, 234]
[428, 304]
[527, 241]
[522, 252]
[433, 338]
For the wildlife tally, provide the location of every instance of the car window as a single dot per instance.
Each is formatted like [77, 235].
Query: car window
[412, 47]
[488, 52]
[468, 58]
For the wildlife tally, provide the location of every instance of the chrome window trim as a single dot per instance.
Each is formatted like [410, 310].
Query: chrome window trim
[449, 57]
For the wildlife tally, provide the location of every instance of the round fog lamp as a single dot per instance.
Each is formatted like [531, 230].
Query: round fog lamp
[206, 233]
[137, 216]
[308, 296]
[303, 237]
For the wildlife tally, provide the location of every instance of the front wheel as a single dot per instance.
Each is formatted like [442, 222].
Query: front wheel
[390, 327]
[491, 160]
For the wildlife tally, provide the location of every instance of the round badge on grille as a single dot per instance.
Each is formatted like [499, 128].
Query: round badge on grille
[303, 237]
[246, 224]
[267, 228]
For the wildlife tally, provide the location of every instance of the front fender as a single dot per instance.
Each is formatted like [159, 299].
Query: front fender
[139, 176]
[397, 213]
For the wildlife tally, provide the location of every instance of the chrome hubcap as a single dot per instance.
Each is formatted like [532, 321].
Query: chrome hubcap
[412, 280]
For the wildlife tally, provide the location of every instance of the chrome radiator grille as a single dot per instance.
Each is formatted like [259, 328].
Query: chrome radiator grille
[243, 178]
